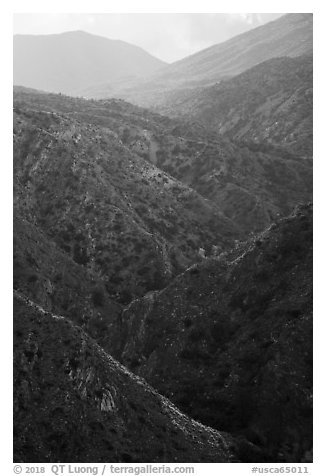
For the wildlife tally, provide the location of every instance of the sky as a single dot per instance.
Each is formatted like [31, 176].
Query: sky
[168, 36]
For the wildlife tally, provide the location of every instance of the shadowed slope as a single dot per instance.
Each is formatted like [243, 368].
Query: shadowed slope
[235, 333]
[46, 274]
[74, 403]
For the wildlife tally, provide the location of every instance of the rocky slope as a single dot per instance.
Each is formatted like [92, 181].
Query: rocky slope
[107, 207]
[249, 183]
[75, 403]
[75, 60]
[270, 103]
[290, 35]
[230, 340]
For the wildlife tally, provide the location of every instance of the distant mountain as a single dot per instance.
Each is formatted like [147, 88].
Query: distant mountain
[75, 403]
[289, 35]
[71, 61]
[269, 103]
[230, 340]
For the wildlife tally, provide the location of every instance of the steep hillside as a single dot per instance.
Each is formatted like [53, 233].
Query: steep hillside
[107, 207]
[251, 184]
[70, 61]
[271, 102]
[75, 403]
[290, 35]
[46, 274]
[230, 340]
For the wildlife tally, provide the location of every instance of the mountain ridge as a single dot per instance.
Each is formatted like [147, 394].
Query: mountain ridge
[269, 103]
[289, 35]
[68, 62]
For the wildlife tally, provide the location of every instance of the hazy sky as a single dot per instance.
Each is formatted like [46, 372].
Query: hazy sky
[169, 36]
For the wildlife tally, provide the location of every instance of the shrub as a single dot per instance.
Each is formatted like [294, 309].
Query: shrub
[125, 296]
[98, 297]
[219, 331]
[194, 354]
[80, 254]
[187, 322]
[196, 334]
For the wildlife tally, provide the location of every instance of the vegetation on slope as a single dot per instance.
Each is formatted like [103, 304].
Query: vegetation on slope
[51, 278]
[251, 184]
[230, 340]
[106, 207]
[270, 103]
[75, 403]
